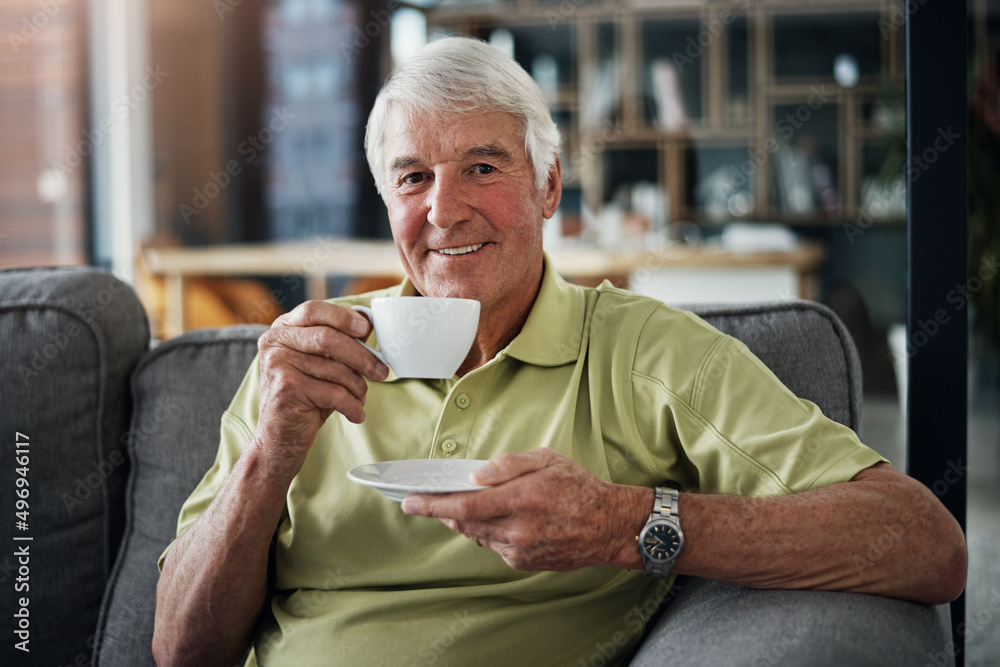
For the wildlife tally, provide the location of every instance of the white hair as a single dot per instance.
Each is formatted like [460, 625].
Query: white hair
[464, 75]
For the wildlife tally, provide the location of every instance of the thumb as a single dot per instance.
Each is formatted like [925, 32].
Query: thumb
[509, 465]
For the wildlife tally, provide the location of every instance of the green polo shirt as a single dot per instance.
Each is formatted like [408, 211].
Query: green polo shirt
[638, 392]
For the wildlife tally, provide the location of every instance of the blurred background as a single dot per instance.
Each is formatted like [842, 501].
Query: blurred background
[713, 150]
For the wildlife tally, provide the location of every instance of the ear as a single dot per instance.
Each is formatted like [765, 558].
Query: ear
[553, 190]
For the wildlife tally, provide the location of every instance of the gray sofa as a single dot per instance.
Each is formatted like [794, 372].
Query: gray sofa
[111, 435]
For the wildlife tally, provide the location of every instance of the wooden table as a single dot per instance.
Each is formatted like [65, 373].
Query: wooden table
[319, 258]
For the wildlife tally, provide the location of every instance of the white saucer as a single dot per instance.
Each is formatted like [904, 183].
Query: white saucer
[397, 479]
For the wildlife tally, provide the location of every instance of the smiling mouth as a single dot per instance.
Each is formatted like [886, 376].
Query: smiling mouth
[461, 250]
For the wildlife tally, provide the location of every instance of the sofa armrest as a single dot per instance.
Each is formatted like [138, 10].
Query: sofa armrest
[717, 624]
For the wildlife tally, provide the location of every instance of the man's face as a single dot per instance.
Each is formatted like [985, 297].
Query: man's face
[464, 210]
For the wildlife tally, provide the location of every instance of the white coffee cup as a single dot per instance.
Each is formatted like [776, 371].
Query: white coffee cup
[422, 336]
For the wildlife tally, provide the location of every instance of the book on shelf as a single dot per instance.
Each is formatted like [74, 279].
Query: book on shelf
[820, 175]
[826, 191]
[881, 200]
[795, 186]
[605, 93]
[667, 93]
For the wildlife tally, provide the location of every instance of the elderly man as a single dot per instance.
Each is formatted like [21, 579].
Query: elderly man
[594, 407]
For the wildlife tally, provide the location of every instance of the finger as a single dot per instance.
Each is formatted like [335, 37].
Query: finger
[460, 506]
[326, 342]
[324, 369]
[299, 391]
[321, 313]
[509, 465]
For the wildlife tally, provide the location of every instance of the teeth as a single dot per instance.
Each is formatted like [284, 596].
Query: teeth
[464, 250]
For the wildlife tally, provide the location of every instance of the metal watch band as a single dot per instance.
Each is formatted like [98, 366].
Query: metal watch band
[664, 507]
[665, 504]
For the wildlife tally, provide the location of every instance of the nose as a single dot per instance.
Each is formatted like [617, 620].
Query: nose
[447, 203]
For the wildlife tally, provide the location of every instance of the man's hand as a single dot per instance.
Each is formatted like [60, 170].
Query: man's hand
[311, 366]
[545, 512]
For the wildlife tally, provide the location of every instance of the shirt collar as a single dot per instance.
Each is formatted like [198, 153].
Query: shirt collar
[553, 332]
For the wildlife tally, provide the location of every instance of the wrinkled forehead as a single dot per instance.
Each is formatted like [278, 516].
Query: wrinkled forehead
[412, 132]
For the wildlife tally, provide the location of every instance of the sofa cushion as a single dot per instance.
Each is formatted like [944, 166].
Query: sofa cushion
[180, 391]
[69, 338]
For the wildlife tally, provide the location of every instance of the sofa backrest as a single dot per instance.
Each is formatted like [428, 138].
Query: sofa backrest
[96, 408]
[69, 339]
[180, 390]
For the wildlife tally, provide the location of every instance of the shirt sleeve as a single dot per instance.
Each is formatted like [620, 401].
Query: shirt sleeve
[756, 416]
[731, 426]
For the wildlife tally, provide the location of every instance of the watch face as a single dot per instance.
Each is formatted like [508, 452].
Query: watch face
[661, 542]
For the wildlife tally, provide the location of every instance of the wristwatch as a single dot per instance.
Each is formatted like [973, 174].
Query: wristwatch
[661, 539]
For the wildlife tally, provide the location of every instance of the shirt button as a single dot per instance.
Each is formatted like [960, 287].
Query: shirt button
[463, 401]
[449, 446]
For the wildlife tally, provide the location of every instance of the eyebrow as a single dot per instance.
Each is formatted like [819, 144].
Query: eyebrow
[484, 150]
[489, 150]
[403, 163]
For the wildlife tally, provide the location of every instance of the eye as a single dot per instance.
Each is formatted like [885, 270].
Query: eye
[483, 169]
[412, 179]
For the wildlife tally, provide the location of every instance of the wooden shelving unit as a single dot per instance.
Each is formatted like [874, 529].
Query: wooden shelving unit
[755, 79]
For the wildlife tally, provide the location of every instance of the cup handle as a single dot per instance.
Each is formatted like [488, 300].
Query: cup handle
[367, 312]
